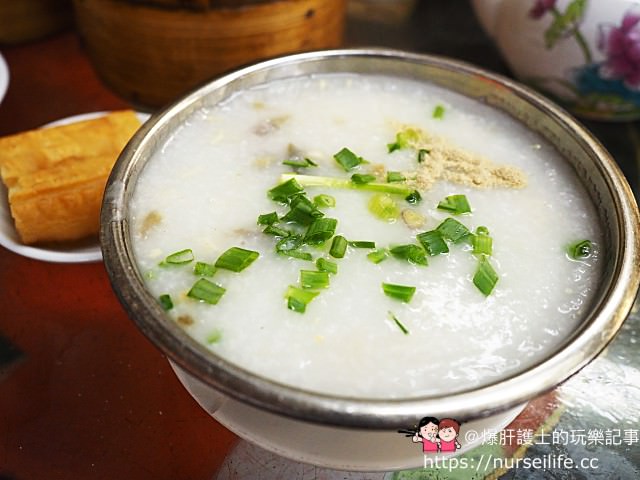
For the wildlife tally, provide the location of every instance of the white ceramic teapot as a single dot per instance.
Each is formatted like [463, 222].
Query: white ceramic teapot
[584, 53]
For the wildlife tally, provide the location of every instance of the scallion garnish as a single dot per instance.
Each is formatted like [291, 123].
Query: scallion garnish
[414, 197]
[302, 212]
[338, 246]
[298, 299]
[165, 302]
[348, 160]
[455, 204]
[324, 200]
[285, 191]
[299, 254]
[362, 178]
[290, 242]
[214, 337]
[179, 258]
[485, 277]
[378, 256]
[403, 293]
[404, 139]
[438, 112]
[276, 231]
[206, 291]
[433, 242]
[236, 259]
[204, 269]
[580, 250]
[482, 242]
[299, 162]
[400, 325]
[453, 230]
[362, 244]
[325, 265]
[314, 280]
[268, 218]
[321, 230]
[411, 253]
[383, 206]
[423, 153]
[393, 177]
[333, 182]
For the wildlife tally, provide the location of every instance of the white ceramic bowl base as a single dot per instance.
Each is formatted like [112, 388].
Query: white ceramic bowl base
[326, 446]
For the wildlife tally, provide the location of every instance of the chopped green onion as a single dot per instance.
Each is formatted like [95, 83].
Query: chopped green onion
[580, 250]
[291, 242]
[325, 265]
[338, 246]
[285, 191]
[414, 197]
[411, 253]
[165, 302]
[482, 242]
[378, 256]
[383, 206]
[268, 218]
[236, 259]
[455, 204]
[423, 153]
[362, 178]
[321, 230]
[433, 242]
[403, 293]
[179, 258]
[324, 200]
[400, 325]
[206, 291]
[310, 279]
[362, 244]
[333, 182]
[393, 177]
[298, 299]
[348, 160]
[453, 230]
[485, 277]
[302, 212]
[204, 269]
[213, 337]
[438, 112]
[299, 254]
[404, 139]
[299, 162]
[276, 231]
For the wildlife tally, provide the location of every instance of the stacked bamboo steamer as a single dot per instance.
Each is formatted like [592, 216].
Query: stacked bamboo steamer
[152, 52]
[26, 20]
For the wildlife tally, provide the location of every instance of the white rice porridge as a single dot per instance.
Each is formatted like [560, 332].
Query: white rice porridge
[206, 187]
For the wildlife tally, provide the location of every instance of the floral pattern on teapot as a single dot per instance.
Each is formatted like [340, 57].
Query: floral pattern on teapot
[584, 53]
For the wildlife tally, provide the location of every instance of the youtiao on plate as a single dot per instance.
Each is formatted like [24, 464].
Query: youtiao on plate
[56, 176]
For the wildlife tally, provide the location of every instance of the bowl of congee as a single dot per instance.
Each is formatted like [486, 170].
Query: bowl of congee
[336, 244]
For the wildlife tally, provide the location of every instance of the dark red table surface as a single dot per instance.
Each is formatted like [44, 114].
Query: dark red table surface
[90, 397]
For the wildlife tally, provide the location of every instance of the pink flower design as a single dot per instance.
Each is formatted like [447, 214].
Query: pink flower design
[621, 45]
[541, 7]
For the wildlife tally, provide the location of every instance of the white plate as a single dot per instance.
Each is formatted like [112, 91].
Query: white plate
[4, 77]
[68, 252]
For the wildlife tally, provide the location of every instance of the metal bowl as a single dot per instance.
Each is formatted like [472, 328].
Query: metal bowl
[611, 302]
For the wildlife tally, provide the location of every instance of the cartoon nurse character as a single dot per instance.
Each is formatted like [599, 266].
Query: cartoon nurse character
[427, 434]
[448, 430]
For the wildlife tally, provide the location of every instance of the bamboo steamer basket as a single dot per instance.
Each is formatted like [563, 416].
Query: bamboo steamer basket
[26, 20]
[153, 52]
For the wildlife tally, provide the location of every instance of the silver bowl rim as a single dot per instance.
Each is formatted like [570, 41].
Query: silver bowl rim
[598, 329]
